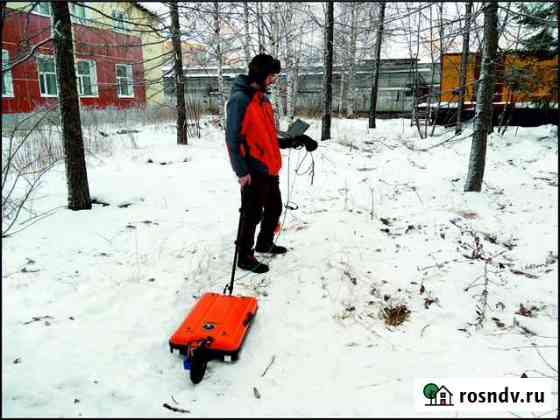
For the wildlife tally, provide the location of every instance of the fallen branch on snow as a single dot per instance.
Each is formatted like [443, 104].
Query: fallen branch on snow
[523, 273]
[550, 181]
[451, 139]
[270, 364]
[176, 409]
[38, 318]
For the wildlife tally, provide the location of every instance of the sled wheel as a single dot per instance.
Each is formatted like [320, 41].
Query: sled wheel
[199, 360]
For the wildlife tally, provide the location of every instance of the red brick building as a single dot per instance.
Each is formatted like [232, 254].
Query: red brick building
[108, 58]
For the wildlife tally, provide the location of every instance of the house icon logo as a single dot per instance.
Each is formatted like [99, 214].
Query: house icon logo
[439, 396]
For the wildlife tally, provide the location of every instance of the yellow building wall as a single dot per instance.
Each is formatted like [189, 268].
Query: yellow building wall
[451, 78]
[536, 77]
[101, 19]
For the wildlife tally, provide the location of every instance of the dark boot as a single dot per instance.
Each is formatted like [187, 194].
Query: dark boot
[270, 248]
[249, 262]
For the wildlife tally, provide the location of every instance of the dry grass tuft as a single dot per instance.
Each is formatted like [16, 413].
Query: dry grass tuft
[395, 315]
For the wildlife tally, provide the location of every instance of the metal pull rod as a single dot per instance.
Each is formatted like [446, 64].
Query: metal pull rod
[235, 254]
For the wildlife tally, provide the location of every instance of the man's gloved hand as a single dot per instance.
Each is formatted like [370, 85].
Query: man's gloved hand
[286, 142]
[297, 142]
[308, 142]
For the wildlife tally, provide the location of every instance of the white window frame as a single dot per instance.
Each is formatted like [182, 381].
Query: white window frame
[93, 77]
[78, 19]
[47, 95]
[9, 86]
[48, 15]
[129, 77]
[120, 20]
[37, 12]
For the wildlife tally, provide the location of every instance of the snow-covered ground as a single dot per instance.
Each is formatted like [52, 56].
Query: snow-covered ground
[90, 298]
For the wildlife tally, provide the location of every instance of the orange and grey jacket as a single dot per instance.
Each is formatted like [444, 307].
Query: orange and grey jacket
[251, 136]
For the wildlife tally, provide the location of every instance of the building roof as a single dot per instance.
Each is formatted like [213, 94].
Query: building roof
[536, 54]
[143, 9]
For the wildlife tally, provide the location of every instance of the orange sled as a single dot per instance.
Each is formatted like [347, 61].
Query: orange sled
[215, 328]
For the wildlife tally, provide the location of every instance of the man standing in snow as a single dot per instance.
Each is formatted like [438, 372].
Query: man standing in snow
[254, 151]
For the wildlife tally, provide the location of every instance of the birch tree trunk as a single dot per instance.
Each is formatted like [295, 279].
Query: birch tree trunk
[179, 76]
[327, 79]
[260, 27]
[414, 67]
[464, 68]
[292, 62]
[342, 42]
[375, 84]
[342, 92]
[415, 95]
[507, 105]
[352, 59]
[292, 92]
[247, 43]
[74, 158]
[411, 68]
[275, 44]
[441, 48]
[484, 97]
[429, 98]
[220, 62]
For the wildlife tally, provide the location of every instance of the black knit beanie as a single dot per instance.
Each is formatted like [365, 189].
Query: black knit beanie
[261, 66]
